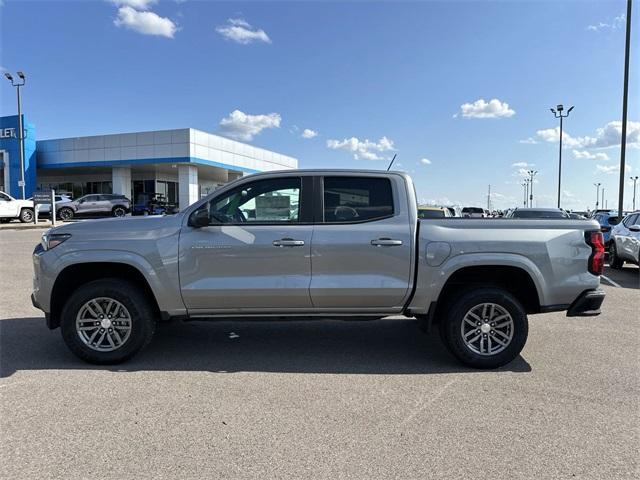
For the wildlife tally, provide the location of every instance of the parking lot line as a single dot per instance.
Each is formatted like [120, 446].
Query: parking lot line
[604, 277]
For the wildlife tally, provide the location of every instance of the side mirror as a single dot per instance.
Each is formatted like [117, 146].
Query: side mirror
[199, 218]
[634, 228]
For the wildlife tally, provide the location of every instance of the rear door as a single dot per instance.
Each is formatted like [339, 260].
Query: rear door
[88, 204]
[255, 253]
[362, 245]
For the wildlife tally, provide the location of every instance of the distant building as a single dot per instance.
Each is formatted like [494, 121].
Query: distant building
[183, 164]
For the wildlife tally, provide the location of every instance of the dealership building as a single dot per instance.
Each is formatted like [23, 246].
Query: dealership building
[183, 165]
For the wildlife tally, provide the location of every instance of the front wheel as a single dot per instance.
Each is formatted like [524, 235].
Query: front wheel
[65, 214]
[26, 215]
[107, 321]
[614, 260]
[485, 328]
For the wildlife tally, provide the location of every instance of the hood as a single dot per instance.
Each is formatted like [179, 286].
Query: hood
[122, 228]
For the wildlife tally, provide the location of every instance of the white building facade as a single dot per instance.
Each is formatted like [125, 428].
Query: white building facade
[183, 165]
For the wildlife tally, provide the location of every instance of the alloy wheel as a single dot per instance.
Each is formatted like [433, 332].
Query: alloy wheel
[487, 329]
[103, 324]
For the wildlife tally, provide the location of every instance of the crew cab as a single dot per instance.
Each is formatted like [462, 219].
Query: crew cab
[315, 244]
[11, 208]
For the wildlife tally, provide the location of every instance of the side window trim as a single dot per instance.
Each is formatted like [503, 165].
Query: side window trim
[319, 212]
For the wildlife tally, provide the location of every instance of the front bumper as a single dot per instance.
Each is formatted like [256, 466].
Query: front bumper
[587, 304]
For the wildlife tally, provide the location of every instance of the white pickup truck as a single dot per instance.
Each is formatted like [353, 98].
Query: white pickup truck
[315, 244]
[11, 208]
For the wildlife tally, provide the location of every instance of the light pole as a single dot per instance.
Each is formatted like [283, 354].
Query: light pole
[532, 173]
[625, 96]
[603, 205]
[557, 112]
[635, 180]
[597, 185]
[19, 84]
[525, 189]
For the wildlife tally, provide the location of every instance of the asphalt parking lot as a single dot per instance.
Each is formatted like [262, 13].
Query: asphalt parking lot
[318, 399]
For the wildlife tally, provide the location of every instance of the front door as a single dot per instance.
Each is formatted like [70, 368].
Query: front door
[362, 246]
[255, 253]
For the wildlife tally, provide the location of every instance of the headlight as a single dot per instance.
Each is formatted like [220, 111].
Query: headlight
[51, 240]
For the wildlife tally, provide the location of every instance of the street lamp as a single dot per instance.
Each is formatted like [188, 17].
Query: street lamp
[597, 185]
[635, 180]
[19, 84]
[557, 112]
[532, 173]
[525, 189]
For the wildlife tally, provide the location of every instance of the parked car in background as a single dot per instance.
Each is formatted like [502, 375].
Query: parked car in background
[473, 212]
[102, 204]
[625, 241]
[44, 209]
[455, 211]
[607, 221]
[433, 212]
[12, 208]
[539, 213]
[152, 204]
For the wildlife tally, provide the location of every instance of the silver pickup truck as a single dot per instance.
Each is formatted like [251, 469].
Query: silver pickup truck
[318, 243]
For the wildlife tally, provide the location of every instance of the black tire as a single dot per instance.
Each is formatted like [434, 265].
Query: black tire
[26, 215]
[451, 327]
[119, 211]
[65, 214]
[614, 260]
[143, 320]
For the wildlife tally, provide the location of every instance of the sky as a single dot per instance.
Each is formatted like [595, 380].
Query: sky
[460, 91]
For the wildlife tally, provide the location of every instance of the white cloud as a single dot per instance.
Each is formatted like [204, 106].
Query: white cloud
[608, 169]
[529, 141]
[425, 161]
[147, 23]
[240, 31]
[494, 108]
[308, 133]
[591, 156]
[242, 126]
[137, 4]
[616, 23]
[523, 164]
[362, 149]
[605, 137]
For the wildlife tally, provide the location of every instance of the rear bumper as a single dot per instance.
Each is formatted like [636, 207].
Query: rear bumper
[587, 304]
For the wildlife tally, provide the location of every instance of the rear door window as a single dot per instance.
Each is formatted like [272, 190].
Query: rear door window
[356, 199]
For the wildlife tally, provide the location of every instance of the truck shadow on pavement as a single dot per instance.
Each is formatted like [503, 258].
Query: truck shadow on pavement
[390, 346]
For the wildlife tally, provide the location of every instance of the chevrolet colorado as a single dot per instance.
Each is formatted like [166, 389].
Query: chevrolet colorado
[327, 244]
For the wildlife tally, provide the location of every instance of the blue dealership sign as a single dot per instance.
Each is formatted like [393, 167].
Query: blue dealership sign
[10, 144]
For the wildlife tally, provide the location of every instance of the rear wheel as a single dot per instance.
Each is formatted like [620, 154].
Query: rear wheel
[119, 211]
[485, 328]
[26, 215]
[614, 260]
[107, 321]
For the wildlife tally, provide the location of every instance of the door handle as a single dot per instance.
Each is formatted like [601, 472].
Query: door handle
[385, 242]
[288, 242]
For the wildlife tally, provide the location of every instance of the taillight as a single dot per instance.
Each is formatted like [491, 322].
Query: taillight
[596, 259]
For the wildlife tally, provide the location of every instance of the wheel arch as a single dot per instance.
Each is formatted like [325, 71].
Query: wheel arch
[75, 275]
[513, 279]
